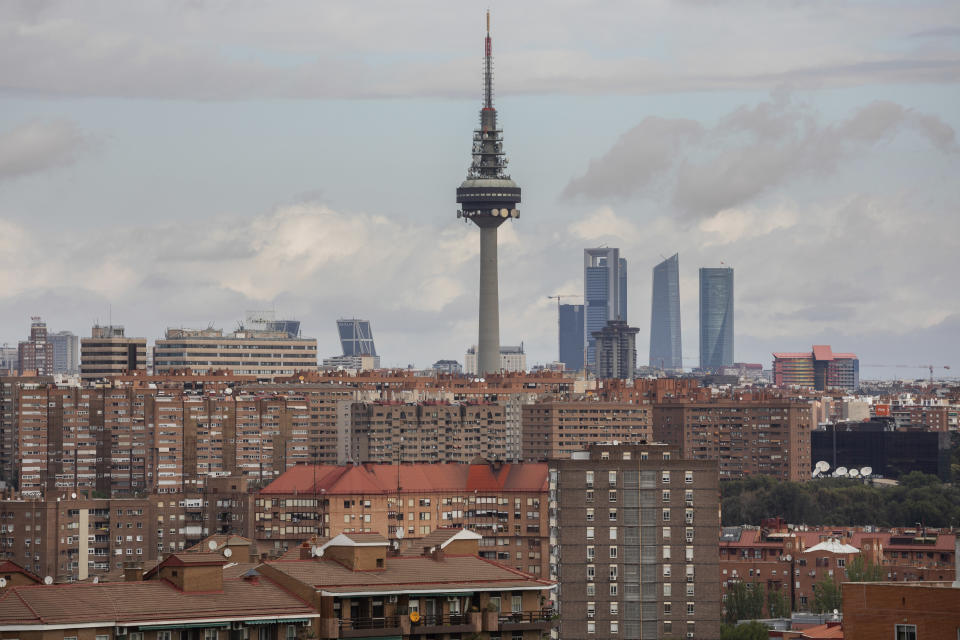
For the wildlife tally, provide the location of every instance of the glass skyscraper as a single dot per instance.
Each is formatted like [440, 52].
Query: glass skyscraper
[665, 345]
[571, 336]
[356, 337]
[604, 294]
[716, 317]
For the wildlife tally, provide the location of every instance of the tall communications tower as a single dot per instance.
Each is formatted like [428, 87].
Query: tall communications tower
[488, 197]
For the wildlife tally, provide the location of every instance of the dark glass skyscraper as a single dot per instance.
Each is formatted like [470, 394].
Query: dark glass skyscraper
[571, 336]
[604, 293]
[716, 318]
[356, 337]
[665, 348]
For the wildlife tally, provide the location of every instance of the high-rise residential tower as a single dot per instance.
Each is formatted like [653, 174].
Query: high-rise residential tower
[36, 354]
[604, 293]
[716, 317]
[571, 336]
[488, 197]
[665, 349]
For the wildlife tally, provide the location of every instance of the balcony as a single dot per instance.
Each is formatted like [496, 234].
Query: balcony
[370, 627]
[523, 620]
[447, 623]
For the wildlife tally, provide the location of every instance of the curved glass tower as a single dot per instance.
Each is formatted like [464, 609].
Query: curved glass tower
[665, 345]
[716, 318]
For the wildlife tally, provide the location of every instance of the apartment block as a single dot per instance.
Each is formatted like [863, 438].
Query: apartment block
[633, 538]
[35, 355]
[109, 352]
[558, 428]
[745, 436]
[427, 432]
[505, 503]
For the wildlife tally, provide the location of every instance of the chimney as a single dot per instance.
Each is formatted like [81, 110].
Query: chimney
[306, 551]
[132, 572]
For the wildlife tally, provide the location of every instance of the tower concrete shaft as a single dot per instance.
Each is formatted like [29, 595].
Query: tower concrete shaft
[488, 197]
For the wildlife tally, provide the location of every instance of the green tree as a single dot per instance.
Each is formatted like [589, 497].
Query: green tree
[744, 601]
[752, 630]
[861, 570]
[826, 596]
[778, 606]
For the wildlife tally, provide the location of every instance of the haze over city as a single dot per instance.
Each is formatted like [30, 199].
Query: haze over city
[174, 164]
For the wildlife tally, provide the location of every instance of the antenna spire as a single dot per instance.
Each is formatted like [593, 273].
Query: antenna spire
[488, 69]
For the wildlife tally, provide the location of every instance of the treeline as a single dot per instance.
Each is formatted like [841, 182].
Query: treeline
[919, 498]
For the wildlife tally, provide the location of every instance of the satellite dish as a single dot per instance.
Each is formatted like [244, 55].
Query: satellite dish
[823, 466]
[841, 471]
[399, 533]
[816, 473]
[96, 579]
[515, 213]
[866, 471]
[227, 552]
[3, 583]
[228, 391]
[48, 580]
[789, 557]
[212, 545]
[73, 496]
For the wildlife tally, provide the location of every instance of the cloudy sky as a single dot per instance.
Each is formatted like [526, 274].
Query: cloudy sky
[178, 163]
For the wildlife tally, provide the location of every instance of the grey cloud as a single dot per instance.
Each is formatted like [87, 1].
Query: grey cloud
[38, 145]
[749, 152]
[938, 32]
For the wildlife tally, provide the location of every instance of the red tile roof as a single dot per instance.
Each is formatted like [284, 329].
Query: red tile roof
[131, 603]
[374, 479]
[8, 566]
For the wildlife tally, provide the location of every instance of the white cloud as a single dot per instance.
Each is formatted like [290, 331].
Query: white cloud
[38, 145]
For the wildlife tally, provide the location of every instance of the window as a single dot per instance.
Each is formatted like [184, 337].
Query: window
[614, 626]
[666, 515]
[667, 626]
[613, 533]
[666, 495]
[589, 479]
[690, 590]
[689, 534]
[667, 606]
[591, 609]
[667, 589]
[591, 552]
[591, 589]
[688, 497]
[666, 552]
[613, 588]
[589, 533]
[161, 635]
[589, 495]
[612, 478]
[591, 627]
[666, 533]
[612, 495]
[613, 572]
[516, 604]
[612, 515]
[590, 514]
[613, 552]
[689, 608]
[905, 632]
[666, 571]
[614, 608]
[688, 516]
[591, 572]
[689, 573]
[665, 477]
[688, 476]
[689, 554]
[841, 562]
[291, 632]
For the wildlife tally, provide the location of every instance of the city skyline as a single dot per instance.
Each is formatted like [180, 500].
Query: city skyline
[843, 147]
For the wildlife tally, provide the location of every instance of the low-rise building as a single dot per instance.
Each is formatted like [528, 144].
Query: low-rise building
[902, 611]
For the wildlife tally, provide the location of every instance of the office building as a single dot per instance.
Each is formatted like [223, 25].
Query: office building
[888, 452]
[604, 293]
[765, 436]
[616, 350]
[634, 544]
[35, 355]
[108, 352]
[716, 318]
[666, 352]
[571, 336]
[356, 337]
[66, 352]
[820, 369]
[449, 367]
[512, 359]
[488, 197]
[264, 354]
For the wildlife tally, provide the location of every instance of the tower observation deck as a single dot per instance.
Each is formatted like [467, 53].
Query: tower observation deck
[488, 197]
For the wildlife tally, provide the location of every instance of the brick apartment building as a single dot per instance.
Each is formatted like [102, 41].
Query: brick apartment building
[505, 503]
[558, 428]
[35, 355]
[427, 432]
[911, 611]
[746, 436]
[634, 543]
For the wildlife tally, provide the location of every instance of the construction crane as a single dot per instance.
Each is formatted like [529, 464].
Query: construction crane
[929, 367]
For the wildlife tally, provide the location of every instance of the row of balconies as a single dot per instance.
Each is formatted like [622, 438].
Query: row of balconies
[449, 623]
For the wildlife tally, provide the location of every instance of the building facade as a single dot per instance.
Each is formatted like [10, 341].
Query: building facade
[666, 352]
[616, 350]
[604, 294]
[35, 355]
[820, 369]
[559, 428]
[716, 318]
[263, 354]
[634, 544]
[109, 352]
[66, 352]
[570, 334]
[513, 359]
